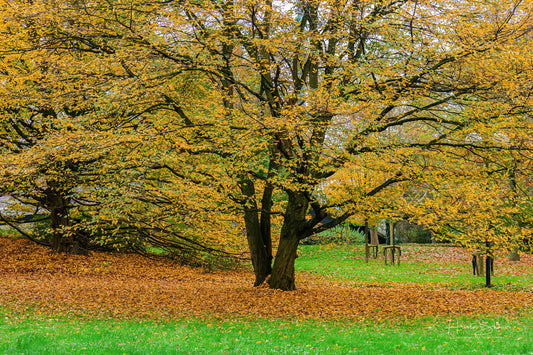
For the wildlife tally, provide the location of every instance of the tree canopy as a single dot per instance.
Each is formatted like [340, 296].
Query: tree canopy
[203, 114]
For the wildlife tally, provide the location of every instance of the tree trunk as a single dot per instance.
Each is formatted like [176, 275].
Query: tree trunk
[367, 236]
[488, 270]
[63, 240]
[261, 261]
[266, 225]
[387, 233]
[283, 270]
[67, 244]
[374, 239]
[291, 233]
[261, 258]
[514, 255]
[391, 236]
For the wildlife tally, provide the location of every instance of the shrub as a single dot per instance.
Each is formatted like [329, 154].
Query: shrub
[337, 234]
[406, 232]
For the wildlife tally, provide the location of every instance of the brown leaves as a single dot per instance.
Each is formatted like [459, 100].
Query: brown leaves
[126, 286]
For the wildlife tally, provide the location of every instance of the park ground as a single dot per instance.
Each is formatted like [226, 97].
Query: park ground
[124, 303]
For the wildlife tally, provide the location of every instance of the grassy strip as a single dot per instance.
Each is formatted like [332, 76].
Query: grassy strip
[346, 262]
[241, 336]
[5, 231]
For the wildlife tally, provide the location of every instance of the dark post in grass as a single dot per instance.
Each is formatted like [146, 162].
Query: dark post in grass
[489, 266]
[484, 267]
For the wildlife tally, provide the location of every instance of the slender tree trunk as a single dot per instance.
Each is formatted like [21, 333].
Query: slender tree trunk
[387, 233]
[433, 238]
[514, 256]
[488, 270]
[367, 236]
[291, 233]
[374, 238]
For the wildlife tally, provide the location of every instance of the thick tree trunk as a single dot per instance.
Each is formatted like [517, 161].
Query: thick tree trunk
[266, 225]
[283, 270]
[261, 261]
[259, 249]
[67, 244]
[63, 241]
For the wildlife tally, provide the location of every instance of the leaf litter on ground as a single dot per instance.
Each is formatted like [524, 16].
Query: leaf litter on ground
[127, 286]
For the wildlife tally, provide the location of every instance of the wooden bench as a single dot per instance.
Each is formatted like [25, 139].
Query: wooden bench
[392, 251]
[371, 250]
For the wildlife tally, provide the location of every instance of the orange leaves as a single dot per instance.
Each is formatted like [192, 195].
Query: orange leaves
[125, 286]
[163, 115]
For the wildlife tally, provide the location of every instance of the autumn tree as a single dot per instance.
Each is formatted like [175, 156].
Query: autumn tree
[66, 150]
[332, 106]
[41, 169]
[71, 168]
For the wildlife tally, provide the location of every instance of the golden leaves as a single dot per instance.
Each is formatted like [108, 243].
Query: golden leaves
[125, 285]
[371, 109]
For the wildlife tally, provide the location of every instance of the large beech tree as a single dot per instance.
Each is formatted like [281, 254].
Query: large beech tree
[341, 107]
[40, 165]
[71, 153]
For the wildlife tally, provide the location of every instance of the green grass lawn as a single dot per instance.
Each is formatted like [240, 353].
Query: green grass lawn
[5, 231]
[241, 336]
[427, 264]
[59, 334]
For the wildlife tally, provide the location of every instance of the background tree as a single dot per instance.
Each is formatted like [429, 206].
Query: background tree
[72, 153]
[42, 164]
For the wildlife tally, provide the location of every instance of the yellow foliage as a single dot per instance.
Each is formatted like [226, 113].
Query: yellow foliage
[189, 116]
